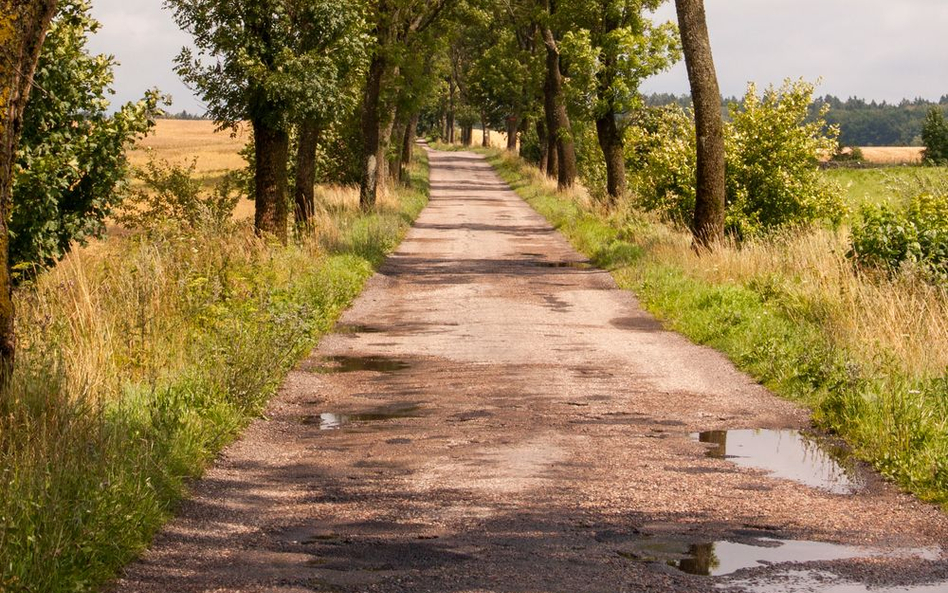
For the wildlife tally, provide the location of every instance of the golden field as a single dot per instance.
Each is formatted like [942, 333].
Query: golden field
[893, 155]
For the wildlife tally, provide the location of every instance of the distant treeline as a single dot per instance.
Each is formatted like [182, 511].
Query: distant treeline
[185, 115]
[861, 122]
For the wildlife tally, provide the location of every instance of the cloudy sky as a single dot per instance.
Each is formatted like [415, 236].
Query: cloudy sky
[876, 49]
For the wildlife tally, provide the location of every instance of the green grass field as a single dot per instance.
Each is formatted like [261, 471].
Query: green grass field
[879, 185]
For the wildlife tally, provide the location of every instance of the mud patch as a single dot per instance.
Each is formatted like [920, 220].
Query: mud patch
[788, 454]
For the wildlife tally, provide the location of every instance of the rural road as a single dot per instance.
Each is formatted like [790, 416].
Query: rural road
[494, 415]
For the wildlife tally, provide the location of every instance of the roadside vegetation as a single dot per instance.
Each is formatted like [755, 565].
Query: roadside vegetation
[142, 356]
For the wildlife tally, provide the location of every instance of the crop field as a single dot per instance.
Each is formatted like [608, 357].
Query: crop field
[182, 141]
[892, 155]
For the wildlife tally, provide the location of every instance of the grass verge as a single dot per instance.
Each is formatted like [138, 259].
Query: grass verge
[866, 355]
[142, 357]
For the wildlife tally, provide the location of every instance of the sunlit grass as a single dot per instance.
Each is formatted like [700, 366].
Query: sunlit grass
[868, 354]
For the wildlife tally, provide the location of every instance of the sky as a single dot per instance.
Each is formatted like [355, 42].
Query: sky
[874, 49]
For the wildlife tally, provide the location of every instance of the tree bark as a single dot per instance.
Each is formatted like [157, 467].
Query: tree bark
[610, 140]
[561, 141]
[369, 184]
[452, 88]
[708, 225]
[485, 141]
[513, 125]
[543, 141]
[23, 25]
[271, 149]
[309, 131]
[408, 147]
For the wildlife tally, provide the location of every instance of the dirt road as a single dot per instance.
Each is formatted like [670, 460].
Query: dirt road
[494, 415]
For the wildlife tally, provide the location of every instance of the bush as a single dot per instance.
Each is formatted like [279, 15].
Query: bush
[71, 166]
[172, 196]
[913, 238]
[773, 178]
[661, 161]
[935, 137]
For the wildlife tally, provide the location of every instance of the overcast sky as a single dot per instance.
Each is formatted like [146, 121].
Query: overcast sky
[875, 49]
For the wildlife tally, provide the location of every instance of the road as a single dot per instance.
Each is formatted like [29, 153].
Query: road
[495, 415]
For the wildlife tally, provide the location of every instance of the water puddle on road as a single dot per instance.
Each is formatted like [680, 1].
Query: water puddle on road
[352, 364]
[788, 454]
[812, 581]
[726, 557]
[335, 421]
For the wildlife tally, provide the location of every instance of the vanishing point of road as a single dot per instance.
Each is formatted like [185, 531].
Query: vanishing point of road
[495, 415]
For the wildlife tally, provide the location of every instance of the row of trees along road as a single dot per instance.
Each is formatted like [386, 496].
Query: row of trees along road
[336, 91]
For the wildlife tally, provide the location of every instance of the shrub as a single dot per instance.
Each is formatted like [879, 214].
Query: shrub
[773, 178]
[912, 238]
[660, 158]
[173, 196]
[71, 166]
[935, 137]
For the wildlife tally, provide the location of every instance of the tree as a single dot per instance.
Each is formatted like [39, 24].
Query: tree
[334, 63]
[395, 23]
[935, 137]
[71, 168]
[708, 226]
[264, 66]
[560, 140]
[612, 49]
[23, 25]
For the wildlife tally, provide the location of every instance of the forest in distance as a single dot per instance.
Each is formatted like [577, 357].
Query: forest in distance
[861, 122]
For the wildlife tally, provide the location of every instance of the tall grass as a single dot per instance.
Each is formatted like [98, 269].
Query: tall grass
[141, 357]
[867, 354]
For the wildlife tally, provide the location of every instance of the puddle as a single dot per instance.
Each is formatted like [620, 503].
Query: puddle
[334, 421]
[352, 364]
[810, 581]
[786, 454]
[726, 557]
[574, 265]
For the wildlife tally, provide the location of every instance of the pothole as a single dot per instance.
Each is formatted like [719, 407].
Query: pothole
[788, 454]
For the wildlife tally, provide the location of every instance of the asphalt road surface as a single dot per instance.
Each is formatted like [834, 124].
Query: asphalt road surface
[494, 415]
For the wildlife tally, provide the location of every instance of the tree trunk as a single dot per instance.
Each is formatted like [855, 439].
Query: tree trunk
[24, 25]
[385, 142]
[451, 89]
[513, 125]
[543, 141]
[271, 149]
[708, 226]
[408, 147]
[306, 171]
[610, 140]
[557, 119]
[369, 184]
[467, 135]
[485, 142]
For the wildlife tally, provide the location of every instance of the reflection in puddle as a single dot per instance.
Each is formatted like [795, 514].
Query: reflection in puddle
[725, 557]
[786, 454]
[333, 421]
[811, 581]
[352, 364]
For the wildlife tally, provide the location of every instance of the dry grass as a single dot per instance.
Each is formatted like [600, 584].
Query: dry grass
[901, 320]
